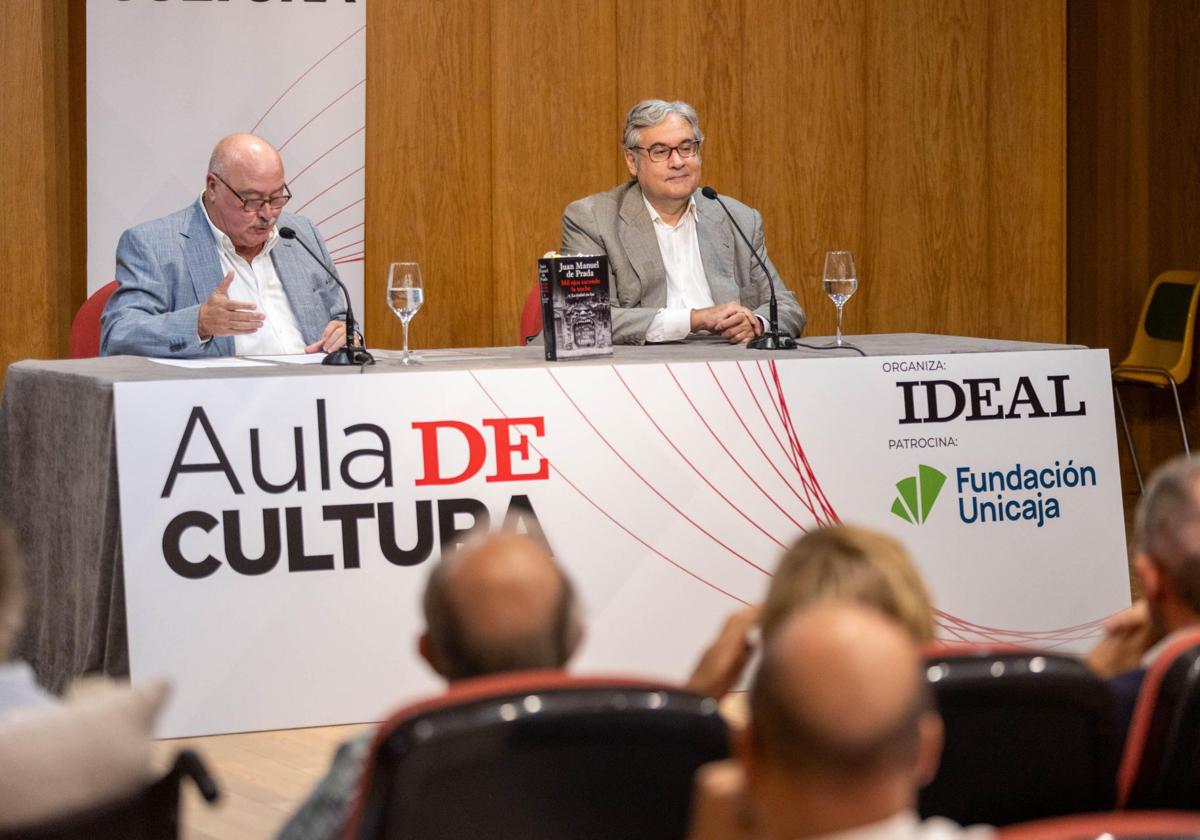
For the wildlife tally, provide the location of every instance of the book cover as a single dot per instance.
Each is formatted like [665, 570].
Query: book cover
[576, 318]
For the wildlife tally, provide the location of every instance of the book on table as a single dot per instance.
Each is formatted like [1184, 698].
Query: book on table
[576, 318]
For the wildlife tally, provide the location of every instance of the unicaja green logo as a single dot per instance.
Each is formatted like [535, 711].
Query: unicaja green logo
[917, 494]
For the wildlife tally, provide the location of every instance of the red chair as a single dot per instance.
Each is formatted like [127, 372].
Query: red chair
[531, 315]
[1028, 735]
[539, 755]
[85, 329]
[1162, 749]
[1112, 824]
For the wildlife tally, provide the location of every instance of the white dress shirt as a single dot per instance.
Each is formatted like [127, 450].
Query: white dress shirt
[687, 284]
[257, 282]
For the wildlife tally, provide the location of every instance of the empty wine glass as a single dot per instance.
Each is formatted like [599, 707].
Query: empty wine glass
[840, 283]
[405, 294]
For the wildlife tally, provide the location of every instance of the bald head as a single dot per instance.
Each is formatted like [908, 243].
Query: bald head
[840, 694]
[499, 604]
[239, 153]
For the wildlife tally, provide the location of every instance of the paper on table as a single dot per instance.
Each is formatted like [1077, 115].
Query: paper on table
[293, 359]
[219, 361]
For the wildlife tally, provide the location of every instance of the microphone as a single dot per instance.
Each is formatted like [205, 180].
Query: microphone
[772, 339]
[347, 354]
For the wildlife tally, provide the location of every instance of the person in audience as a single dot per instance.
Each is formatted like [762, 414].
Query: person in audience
[842, 562]
[216, 279]
[498, 604]
[1166, 556]
[18, 689]
[842, 734]
[676, 265]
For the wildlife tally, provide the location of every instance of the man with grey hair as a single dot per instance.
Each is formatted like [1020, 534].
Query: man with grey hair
[677, 266]
[216, 278]
[1166, 555]
[498, 604]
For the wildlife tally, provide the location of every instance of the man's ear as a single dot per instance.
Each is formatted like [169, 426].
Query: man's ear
[631, 161]
[1150, 574]
[930, 736]
[427, 651]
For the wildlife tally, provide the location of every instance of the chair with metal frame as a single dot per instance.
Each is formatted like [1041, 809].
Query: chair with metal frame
[1161, 354]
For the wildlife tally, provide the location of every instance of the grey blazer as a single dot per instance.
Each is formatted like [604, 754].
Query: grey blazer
[617, 223]
[169, 266]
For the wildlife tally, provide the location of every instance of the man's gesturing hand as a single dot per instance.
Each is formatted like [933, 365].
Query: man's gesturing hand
[221, 316]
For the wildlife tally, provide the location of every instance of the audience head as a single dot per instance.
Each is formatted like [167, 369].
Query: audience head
[12, 591]
[842, 732]
[1167, 543]
[852, 564]
[496, 604]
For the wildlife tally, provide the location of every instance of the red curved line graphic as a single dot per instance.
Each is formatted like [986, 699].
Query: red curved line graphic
[650, 486]
[787, 454]
[347, 260]
[292, 180]
[803, 456]
[331, 186]
[322, 111]
[305, 73]
[980, 635]
[344, 247]
[346, 257]
[608, 515]
[340, 232]
[338, 212]
[687, 461]
[721, 444]
[796, 459]
[807, 503]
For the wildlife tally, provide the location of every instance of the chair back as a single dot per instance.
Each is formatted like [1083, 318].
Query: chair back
[1165, 331]
[531, 315]
[85, 329]
[149, 814]
[1028, 735]
[1111, 825]
[540, 755]
[1162, 750]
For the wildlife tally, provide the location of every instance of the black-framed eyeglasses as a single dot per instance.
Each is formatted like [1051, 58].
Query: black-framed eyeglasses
[253, 205]
[660, 152]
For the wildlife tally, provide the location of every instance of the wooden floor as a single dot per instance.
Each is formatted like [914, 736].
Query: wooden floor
[263, 776]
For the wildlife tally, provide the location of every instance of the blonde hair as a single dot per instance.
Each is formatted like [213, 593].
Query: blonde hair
[851, 564]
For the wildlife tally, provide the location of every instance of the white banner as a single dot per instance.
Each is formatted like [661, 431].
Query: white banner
[166, 80]
[277, 530]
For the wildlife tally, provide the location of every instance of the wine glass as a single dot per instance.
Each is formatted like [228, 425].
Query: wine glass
[840, 283]
[405, 294]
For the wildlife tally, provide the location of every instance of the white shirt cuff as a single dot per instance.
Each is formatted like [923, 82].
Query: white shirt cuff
[670, 325]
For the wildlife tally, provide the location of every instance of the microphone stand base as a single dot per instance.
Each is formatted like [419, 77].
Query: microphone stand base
[349, 356]
[772, 341]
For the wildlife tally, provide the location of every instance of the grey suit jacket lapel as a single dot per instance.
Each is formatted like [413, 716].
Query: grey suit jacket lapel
[716, 250]
[203, 264]
[641, 249]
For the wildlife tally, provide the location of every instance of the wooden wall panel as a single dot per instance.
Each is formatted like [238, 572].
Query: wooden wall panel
[1024, 182]
[554, 100]
[429, 147]
[925, 259]
[42, 179]
[803, 165]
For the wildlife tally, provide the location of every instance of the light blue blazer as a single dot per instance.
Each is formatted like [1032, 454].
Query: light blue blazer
[169, 266]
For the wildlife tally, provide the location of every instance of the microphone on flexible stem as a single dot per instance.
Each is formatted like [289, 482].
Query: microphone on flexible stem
[772, 339]
[346, 354]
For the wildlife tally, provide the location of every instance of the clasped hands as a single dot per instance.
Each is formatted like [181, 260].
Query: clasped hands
[732, 321]
[221, 316]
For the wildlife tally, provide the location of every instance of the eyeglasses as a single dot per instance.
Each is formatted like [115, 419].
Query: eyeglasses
[659, 152]
[253, 205]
